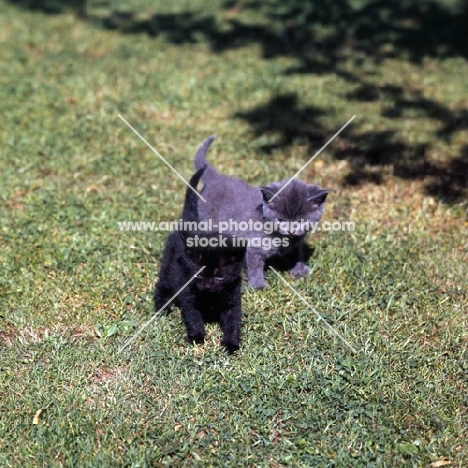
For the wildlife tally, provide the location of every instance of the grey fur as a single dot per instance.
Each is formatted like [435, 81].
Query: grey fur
[229, 198]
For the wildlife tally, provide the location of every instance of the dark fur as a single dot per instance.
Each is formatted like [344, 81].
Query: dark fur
[214, 295]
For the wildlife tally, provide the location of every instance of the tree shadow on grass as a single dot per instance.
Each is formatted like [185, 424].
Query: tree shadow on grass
[325, 38]
[312, 30]
[449, 180]
[53, 7]
[317, 32]
[370, 154]
[284, 117]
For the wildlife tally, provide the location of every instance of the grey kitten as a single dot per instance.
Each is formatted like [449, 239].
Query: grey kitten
[229, 198]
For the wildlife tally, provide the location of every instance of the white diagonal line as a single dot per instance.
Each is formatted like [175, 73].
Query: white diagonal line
[312, 158]
[157, 154]
[300, 296]
[134, 337]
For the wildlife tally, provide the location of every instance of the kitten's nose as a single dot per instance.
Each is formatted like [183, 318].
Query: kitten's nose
[295, 232]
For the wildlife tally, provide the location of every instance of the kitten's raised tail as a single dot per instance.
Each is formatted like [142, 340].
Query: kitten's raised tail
[200, 156]
[190, 210]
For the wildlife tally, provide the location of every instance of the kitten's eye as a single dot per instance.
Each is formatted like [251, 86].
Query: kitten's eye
[281, 220]
[194, 256]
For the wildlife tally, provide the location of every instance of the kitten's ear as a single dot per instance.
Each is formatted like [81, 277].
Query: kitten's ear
[318, 197]
[267, 193]
[187, 240]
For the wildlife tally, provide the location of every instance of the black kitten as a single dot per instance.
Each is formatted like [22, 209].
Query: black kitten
[214, 295]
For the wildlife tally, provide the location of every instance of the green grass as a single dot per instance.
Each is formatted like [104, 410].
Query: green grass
[73, 288]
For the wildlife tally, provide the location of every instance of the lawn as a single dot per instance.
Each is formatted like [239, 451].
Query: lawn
[274, 81]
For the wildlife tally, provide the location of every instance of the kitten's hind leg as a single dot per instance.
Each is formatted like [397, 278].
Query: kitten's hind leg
[230, 321]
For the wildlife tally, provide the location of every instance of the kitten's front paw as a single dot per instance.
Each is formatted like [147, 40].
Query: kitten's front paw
[230, 346]
[257, 283]
[299, 270]
[158, 306]
[199, 339]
